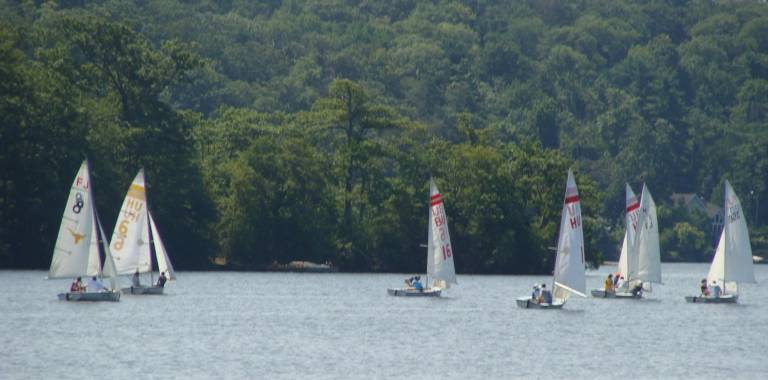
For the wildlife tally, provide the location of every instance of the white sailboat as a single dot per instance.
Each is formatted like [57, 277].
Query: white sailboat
[136, 238]
[80, 241]
[640, 259]
[440, 268]
[569, 263]
[732, 263]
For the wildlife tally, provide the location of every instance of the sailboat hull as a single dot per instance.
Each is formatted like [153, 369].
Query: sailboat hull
[728, 298]
[91, 297]
[149, 290]
[528, 303]
[600, 293]
[414, 293]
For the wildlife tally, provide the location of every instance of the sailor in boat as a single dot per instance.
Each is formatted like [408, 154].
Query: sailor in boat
[77, 286]
[536, 293]
[704, 288]
[716, 290]
[417, 284]
[620, 282]
[616, 280]
[638, 289]
[161, 281]
[135, 279]
[546, 295]
[608, 285]
[95, 286]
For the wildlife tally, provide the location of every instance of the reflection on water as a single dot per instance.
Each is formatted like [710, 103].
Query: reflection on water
[332, 326]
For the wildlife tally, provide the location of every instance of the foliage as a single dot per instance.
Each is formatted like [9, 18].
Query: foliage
[278, 130]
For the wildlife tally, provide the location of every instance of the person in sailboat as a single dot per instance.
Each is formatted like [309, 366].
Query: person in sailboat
[161, 281]
[637, 290]
[135, 280]
[704, 288]
[95, 286]
[616, 280]
[608, 284]
[716, 290]
[546, 295]
[620, 282]
[536, 293]
[77, 286]
[417, 284]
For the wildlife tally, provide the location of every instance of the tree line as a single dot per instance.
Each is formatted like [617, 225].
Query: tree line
[281, 130]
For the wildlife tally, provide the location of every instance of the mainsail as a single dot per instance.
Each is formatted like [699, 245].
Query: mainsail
[647, 241]
[439, 251]
[733, 257]
[130, 239]
[76, 251]
[569, 263]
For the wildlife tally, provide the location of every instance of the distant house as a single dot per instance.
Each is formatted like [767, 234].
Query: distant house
[693, 202]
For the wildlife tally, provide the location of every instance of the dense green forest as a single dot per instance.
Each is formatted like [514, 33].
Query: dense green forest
[281, 130]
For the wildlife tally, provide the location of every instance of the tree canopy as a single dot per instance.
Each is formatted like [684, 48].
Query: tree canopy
[280, 130]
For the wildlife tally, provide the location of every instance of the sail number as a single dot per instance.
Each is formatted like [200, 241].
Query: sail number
[130, 214]
[575, 222]
[446, 251]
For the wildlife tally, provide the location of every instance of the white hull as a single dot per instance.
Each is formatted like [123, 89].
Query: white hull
[600, 293]
[528, 303]
[729, 298]
[414, 293]
[143, 290]
[91, 297]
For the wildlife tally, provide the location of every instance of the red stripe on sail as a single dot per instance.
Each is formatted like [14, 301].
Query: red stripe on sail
[633, 207]
[435, 196]
[571, 199]
[436, 202]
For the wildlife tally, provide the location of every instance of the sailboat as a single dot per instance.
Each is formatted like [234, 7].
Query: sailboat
[640, 259]
[569, 263]
[732, 263]
[81, 241]
[136, 238]
[439, 251]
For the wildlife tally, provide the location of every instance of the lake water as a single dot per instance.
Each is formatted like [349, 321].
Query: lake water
[345, 326]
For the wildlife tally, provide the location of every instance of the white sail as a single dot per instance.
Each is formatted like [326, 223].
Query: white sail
[163, 262]
[439, 251]
[733, 257]
[627, 259]
[130, 239]
[76, 250]
[109, 262]
[569, 263]
[717, 268]
[647, 241]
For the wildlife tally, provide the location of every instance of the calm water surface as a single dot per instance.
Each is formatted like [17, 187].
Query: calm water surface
[345, 326]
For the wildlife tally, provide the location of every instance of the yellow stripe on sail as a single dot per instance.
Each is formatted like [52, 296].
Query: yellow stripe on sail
[136, 191]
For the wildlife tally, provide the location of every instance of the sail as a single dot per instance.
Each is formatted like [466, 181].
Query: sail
[569, 262]
[647, 240]
[439, 251]
[72, 254]
[738, 250]
[130, 239]
[163, 262]
[109, 262]
[717, 268]
[628, 258]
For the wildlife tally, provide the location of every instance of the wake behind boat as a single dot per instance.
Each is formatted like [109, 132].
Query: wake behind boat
[135, 241]
[569, 262]
[439, 253]
[80, 244]
[732, 263]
